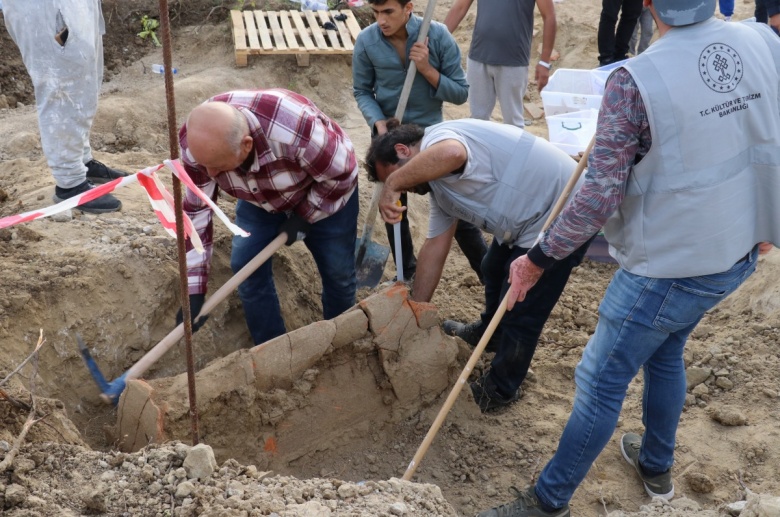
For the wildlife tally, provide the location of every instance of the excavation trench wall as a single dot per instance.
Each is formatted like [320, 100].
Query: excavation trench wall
[312, 389]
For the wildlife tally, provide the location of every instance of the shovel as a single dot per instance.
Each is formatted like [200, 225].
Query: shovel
[370, 257]
[112, 390]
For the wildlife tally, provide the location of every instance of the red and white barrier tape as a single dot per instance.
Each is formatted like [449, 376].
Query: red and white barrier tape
[178, 169]
[159, 197]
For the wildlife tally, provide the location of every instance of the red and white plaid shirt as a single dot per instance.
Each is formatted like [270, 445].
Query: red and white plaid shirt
[303, 163]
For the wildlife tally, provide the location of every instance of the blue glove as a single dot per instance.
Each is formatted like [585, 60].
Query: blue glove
[296, 228]
[196, 304]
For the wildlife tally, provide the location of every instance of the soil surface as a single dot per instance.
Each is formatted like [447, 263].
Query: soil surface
[113, 279]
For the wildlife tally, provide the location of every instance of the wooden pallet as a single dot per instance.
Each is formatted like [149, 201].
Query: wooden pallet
[292, 32]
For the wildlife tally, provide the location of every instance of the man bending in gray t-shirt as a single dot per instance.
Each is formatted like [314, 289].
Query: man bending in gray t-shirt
[503, 180]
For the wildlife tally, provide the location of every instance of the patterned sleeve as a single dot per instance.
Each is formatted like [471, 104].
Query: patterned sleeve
[329, 158]
[622, 138]
[200, 213]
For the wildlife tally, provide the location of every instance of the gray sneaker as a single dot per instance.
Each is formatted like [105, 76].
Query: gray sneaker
[526, 505]
[655, 486]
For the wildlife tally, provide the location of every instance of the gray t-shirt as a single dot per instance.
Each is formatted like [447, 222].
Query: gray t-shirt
[476, 174]
[502, 32]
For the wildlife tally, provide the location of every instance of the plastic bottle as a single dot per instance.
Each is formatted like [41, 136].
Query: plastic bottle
[160, 69]
[313, 5]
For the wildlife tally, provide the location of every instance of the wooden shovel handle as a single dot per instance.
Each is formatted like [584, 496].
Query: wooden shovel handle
[176, 334]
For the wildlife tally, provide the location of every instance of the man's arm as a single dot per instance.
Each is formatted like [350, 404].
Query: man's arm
[363, 81]
[435, 162]
[457, 13]
[328, 157]
[622, 134]
[547, 11]
[198, 265]
[430, 264]
[420, 54]
[452, 85]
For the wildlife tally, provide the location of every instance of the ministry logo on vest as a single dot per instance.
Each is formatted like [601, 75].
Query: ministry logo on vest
[720, 67]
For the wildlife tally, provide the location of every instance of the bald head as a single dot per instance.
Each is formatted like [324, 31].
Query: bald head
[218, 137]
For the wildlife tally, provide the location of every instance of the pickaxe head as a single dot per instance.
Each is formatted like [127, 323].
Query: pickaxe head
[110, 391]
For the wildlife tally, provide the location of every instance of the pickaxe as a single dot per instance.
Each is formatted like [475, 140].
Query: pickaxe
[110, 391]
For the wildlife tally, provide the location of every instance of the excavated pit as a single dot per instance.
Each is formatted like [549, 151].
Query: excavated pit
[318, 387]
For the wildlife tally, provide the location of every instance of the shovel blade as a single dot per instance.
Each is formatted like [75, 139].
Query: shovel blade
[370, 269]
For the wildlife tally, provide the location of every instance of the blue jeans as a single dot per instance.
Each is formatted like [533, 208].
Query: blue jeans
[521, 327]
[643, 322]
[331, 242]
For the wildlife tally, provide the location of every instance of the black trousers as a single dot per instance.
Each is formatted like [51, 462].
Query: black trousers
[468, 237]
[520, 328]
[613, 44]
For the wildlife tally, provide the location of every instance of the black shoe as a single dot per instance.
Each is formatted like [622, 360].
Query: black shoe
[471, 333]
[487, 397]
[99, 173]
[104, 204]
[526, 505]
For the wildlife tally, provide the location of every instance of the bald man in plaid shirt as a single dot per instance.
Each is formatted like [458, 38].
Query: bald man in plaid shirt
[292, 169]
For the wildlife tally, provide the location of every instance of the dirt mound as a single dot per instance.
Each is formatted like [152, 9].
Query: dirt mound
[157, 482]
[360, 373]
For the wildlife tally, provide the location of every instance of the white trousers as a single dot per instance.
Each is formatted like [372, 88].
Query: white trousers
[66, 78]
[507, 84]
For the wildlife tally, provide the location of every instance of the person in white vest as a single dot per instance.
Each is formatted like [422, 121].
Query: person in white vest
[685, 220]
[503, 180]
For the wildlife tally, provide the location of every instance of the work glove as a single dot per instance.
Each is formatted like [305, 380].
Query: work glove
[196, 304]
[295, 227]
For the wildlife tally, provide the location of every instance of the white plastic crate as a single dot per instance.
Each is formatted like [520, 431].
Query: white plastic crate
[572, 90]
[571, 132]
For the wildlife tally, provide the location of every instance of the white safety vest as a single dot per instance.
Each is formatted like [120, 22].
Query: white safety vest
[526, 175]
[708, 189]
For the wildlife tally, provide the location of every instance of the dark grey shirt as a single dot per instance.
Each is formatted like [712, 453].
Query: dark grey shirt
[502, 32]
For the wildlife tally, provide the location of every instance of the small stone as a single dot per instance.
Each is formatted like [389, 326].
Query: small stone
[768, 392]
[736, 508]
[700, 390]
[700, 483]
[94, 501]
[695, 376]
[200, 462]
[185, 489]
[63, 217]
[724, 383]
[15, 495]
[729, 417]
[398, 509]
[347, 490]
